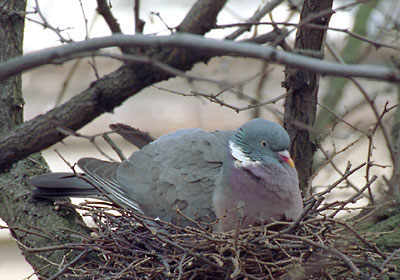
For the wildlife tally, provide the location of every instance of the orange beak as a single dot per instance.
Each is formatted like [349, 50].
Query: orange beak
[290, 162]
[285, 156]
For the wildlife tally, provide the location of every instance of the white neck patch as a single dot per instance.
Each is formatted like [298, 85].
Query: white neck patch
[241, 160]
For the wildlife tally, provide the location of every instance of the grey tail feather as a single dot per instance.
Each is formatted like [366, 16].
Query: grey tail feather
[61, 184]
[132, 135]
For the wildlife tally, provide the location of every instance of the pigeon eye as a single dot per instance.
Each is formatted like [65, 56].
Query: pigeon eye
[263, 143]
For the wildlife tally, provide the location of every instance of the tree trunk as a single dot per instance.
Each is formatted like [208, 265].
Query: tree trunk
[32, 224]
[302, 89]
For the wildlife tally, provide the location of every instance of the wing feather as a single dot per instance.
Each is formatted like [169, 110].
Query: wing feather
[180, 170]
[176, 172]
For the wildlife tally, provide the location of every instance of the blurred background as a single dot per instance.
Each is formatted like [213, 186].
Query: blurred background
[161, 108]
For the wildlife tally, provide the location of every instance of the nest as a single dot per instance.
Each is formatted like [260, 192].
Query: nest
[129, 246]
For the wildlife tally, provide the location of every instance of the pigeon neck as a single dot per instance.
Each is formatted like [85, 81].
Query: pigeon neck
[241, 158]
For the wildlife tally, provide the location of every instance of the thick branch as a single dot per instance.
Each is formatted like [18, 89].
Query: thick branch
[205, 46]
[105, 10]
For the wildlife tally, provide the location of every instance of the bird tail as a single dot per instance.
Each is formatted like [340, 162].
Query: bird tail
[61, 184]
[99, 180]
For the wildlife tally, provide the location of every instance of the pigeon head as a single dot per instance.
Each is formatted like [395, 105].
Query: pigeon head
[260, 141]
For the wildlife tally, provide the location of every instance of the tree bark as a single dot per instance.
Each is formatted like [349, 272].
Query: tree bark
[33, 225]
[302, 89]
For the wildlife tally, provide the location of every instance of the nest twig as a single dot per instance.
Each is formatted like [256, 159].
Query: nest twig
[130, 246]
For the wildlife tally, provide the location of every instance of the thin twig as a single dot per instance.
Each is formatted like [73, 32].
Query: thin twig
[112, 144]
[46, 24]
[354, 197]
[247, 25]
[69, 264]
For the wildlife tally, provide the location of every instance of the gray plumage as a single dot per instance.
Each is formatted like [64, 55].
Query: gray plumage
[204, 174]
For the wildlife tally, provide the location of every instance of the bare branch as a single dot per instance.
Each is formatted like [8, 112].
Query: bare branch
[375, 43]
[354, 197]
[214, 98]
[370, 102]
[105, 11]
[85, 20]
[341, 119]
[46, 24]
[255, 18]
[139, 23]
[207, 46]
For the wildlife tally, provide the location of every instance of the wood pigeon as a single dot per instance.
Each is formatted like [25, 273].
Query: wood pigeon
[207, 175]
